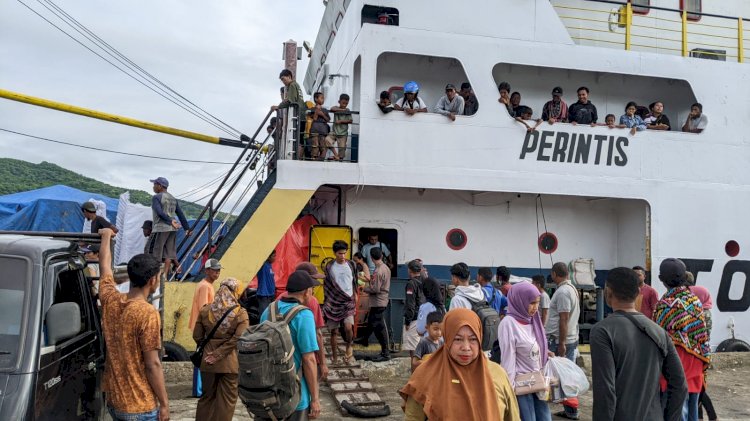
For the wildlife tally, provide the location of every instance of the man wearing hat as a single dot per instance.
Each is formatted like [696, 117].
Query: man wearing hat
[97, 222]
[147, 227]
[299, 289]
[164, 207]
[555, 110]
[451, 104]
[204, 294]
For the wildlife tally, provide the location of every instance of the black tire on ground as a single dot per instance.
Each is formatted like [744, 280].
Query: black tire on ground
[175, 352]
[733, 345]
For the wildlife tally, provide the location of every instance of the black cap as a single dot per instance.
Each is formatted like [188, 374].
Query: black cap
[672, 268]
[299, 281]
[89, 207]
[557, 90]
[450, 86]
[466, 85]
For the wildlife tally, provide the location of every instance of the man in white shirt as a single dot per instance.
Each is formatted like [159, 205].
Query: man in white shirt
[339, 304]
[562, 324]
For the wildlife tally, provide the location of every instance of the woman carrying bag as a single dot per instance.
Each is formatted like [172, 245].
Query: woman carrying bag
[219, 366]
[523, 347]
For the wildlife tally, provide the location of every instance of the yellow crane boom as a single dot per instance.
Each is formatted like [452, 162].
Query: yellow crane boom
[59, 106]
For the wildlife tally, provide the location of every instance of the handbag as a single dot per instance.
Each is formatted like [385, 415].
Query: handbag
[197, 356]
[532, 382]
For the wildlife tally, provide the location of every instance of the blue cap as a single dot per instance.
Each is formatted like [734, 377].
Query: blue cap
[161, 181]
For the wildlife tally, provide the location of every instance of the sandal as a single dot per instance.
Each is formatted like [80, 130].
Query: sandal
[349, 354]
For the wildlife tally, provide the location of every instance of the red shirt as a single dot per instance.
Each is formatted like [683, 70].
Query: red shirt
[693, 371]
[649, 299]
[703, 295]
[314, 306]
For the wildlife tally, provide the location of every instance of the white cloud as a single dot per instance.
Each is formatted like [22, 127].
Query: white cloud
[225, 56]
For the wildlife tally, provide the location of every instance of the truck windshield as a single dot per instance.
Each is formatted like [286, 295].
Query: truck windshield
[13, 282]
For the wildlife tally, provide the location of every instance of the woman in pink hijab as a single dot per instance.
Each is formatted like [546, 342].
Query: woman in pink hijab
[523, 347]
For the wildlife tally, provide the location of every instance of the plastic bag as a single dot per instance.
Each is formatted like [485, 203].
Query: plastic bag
[573, 381]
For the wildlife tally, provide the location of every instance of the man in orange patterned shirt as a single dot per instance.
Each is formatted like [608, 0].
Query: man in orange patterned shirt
[133, 377]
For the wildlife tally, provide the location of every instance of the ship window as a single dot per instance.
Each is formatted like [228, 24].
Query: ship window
[431, 73]
[693, 7]
[379, 15]
[608, 91]
[641, 7]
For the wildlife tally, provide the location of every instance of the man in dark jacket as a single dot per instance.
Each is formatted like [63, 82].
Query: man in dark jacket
[629, 353]
[414, 299]
[583, 111]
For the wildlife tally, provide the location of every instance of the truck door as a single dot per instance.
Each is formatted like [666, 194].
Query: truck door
[321, 247]
[68, 383]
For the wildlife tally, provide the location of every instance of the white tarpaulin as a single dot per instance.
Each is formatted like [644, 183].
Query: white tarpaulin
[130, 239]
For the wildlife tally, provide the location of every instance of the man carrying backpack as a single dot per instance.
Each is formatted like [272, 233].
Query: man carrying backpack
[494, 298]
[299, 289]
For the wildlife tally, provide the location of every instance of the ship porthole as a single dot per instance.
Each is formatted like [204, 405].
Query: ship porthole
[732, 248]
[547, 243]
[456, 239]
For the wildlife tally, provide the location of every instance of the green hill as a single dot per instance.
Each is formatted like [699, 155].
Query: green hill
[17, 176]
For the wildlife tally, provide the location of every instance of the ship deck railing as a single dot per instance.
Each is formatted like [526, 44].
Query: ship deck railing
[684, 32]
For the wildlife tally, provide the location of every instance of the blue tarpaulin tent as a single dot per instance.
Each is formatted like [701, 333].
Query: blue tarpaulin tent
[55, 208]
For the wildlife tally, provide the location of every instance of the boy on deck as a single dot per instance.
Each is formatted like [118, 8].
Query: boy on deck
[430, 343]
[342, 118]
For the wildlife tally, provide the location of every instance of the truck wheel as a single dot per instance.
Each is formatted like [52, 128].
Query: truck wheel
[175, 352]
[733, 345]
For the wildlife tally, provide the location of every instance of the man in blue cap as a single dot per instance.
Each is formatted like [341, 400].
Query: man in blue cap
[164, 206]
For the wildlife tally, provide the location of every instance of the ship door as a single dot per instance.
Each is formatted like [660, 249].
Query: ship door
[321, 248]
[385, 238]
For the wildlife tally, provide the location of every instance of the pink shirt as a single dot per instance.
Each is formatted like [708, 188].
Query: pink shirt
[519, 350]
[703, 295]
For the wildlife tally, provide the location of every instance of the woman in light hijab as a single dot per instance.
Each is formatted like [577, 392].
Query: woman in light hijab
[523, 346]
[459, 382]
[220, 368]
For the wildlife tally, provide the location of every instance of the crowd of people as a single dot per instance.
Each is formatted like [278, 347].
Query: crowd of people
[649, 356]
[583, 111]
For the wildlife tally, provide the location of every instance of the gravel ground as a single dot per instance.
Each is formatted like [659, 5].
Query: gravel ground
[729, 388]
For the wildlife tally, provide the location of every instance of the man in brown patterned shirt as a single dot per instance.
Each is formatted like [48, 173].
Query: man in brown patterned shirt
[133, 377]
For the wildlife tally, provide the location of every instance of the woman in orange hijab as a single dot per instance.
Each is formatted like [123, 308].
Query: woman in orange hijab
[458, 382]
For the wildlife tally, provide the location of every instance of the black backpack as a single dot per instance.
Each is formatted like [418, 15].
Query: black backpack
[269, 382]
[249, 301]
[490, 320]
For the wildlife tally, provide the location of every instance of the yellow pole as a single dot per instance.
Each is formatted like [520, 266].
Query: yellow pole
[59, 106]
[740, 42]
[628, 24]
[684, 34]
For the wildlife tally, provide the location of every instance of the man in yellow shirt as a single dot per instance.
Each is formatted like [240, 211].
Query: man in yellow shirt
[204, 294]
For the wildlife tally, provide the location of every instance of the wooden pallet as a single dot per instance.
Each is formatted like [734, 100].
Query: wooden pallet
[350, 383]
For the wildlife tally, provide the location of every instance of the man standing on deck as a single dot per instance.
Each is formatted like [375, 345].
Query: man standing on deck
[556, 110]
[164, 207]
[451, 104]
[583, 111]
[204, 294]
[133, 376]
[471, 103]
[292, 95]
[562, 326]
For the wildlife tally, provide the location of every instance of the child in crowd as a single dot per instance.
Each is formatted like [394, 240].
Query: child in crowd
[609, 121]
[385, 102]
[524, 114]
[632, 120]
[429, 344]
[320, 128]
[342, 118]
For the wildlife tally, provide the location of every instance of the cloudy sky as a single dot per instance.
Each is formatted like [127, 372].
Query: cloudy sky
[224, 56]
